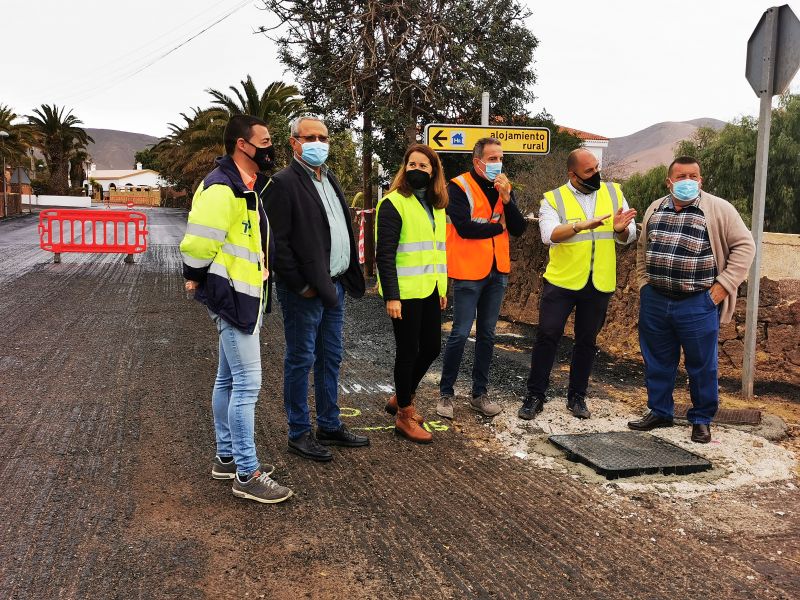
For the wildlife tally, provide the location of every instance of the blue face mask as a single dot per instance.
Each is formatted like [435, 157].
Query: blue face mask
[685, 190]
[493, 170]
[314, 153]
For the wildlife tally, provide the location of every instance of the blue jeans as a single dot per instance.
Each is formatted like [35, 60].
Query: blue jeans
[313, 338]
[236, 388]
[470, 298]
[666, 326]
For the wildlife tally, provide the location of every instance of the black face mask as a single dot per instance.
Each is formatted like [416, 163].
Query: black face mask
[418, 180]
[263, 157]
[592, 184]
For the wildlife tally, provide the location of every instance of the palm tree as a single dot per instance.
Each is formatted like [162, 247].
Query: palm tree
[77, 166]
[17, 144]
[278, 99]
[187, 153]
[59, 137]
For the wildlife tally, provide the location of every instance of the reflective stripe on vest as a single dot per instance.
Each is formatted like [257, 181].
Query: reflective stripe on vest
[591, 252]
[421, 258]
[472, 259]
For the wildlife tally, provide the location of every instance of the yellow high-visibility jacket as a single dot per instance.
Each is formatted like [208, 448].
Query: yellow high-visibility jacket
[222, 248]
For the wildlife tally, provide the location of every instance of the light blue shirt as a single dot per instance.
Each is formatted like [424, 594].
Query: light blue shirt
[340, 238]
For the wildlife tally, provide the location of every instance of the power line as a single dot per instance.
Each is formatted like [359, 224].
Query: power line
[87, 92]
[87, 80]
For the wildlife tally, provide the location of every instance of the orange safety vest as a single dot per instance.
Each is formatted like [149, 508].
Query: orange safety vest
[472, 259]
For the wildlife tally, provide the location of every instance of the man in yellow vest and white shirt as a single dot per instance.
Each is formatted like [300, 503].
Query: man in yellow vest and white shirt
[581, 221]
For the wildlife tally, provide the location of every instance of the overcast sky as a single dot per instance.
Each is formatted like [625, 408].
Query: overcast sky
[611, 67]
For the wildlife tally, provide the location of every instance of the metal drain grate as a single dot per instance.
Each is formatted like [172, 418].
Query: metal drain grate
[629, 453]
[726, 416]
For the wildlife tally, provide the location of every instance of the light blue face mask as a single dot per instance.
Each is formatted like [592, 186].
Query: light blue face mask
[314, 153]
[493, 170]
[685, 190]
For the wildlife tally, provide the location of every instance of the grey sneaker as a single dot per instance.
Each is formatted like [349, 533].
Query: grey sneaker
[261, 489]
[485, 406]
[444, 408]
[221, 470]
[576, 404]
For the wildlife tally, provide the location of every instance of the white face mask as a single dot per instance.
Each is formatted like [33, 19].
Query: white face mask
[685, 190]
[492, 170]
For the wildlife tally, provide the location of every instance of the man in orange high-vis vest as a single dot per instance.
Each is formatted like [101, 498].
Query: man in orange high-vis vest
[582, 222]
[481, 214]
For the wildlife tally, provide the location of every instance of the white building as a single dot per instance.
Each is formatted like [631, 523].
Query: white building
[117, 179]
[596, 144]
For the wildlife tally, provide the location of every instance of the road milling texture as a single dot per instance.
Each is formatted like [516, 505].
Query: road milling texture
[105, 378]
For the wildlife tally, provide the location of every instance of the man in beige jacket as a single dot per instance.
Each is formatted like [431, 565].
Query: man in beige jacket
[693, 254]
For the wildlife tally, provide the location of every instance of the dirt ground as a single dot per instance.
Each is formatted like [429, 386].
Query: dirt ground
[105, 378]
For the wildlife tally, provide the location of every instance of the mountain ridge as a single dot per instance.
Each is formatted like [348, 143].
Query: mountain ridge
[116, 149]
[633, 153]
[652, 146]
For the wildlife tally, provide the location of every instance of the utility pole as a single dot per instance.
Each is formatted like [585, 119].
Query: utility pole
[3, 136]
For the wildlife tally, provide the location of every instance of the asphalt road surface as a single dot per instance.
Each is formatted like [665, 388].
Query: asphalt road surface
[106, 439]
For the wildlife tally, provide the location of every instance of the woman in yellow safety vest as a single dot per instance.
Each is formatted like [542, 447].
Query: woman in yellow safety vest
[412, 277]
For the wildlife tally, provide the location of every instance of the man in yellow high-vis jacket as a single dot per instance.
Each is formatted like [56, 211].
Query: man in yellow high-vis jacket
[581, 221]
[226, 263]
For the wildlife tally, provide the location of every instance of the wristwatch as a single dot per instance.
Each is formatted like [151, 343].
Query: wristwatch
[573, 228]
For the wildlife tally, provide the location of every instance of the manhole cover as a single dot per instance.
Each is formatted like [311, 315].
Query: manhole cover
[727, 416]
[629, 453]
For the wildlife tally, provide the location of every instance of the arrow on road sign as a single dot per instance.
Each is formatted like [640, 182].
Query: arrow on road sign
[439, 138]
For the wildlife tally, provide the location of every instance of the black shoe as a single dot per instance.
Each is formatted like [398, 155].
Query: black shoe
[576, 404]
[701, 433]
[649, 421]
[531, 406]
[307, 446]
[341, 437]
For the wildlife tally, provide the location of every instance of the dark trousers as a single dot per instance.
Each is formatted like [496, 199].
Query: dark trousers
[665, 327]
[418, 337]
[556, 305]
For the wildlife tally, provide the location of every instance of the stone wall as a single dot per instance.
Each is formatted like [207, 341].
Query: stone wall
[778, 339]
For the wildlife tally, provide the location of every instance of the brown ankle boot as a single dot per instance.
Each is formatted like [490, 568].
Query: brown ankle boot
[392, 406]
[406, 425]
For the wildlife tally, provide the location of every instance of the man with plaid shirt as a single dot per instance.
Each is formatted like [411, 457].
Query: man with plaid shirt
[693, 254]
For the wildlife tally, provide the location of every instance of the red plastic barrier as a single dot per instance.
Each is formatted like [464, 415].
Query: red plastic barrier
[107, 231]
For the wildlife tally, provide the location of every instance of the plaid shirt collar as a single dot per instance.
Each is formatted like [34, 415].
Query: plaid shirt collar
[669, 202]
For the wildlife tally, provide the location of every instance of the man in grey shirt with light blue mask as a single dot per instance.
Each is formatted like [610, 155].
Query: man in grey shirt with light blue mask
[315, 264]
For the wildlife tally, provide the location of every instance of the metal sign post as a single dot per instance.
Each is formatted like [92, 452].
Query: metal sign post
[773, 57]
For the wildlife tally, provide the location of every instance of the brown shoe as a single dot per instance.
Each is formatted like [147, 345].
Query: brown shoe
[392, 406]
[406, 425]
[701, 433]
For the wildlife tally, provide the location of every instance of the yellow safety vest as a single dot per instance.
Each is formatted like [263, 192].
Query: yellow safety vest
[421, 252]
[590, 251]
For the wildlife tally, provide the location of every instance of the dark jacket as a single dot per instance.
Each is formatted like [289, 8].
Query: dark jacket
[303, 236]
[460, 217]
[214, 291]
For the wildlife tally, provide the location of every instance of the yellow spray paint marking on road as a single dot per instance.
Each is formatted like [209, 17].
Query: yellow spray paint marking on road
[349, 412]
[431, 426]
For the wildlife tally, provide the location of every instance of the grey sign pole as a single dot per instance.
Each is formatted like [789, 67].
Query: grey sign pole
[759, 197]
[773, 58]
[485, 109]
